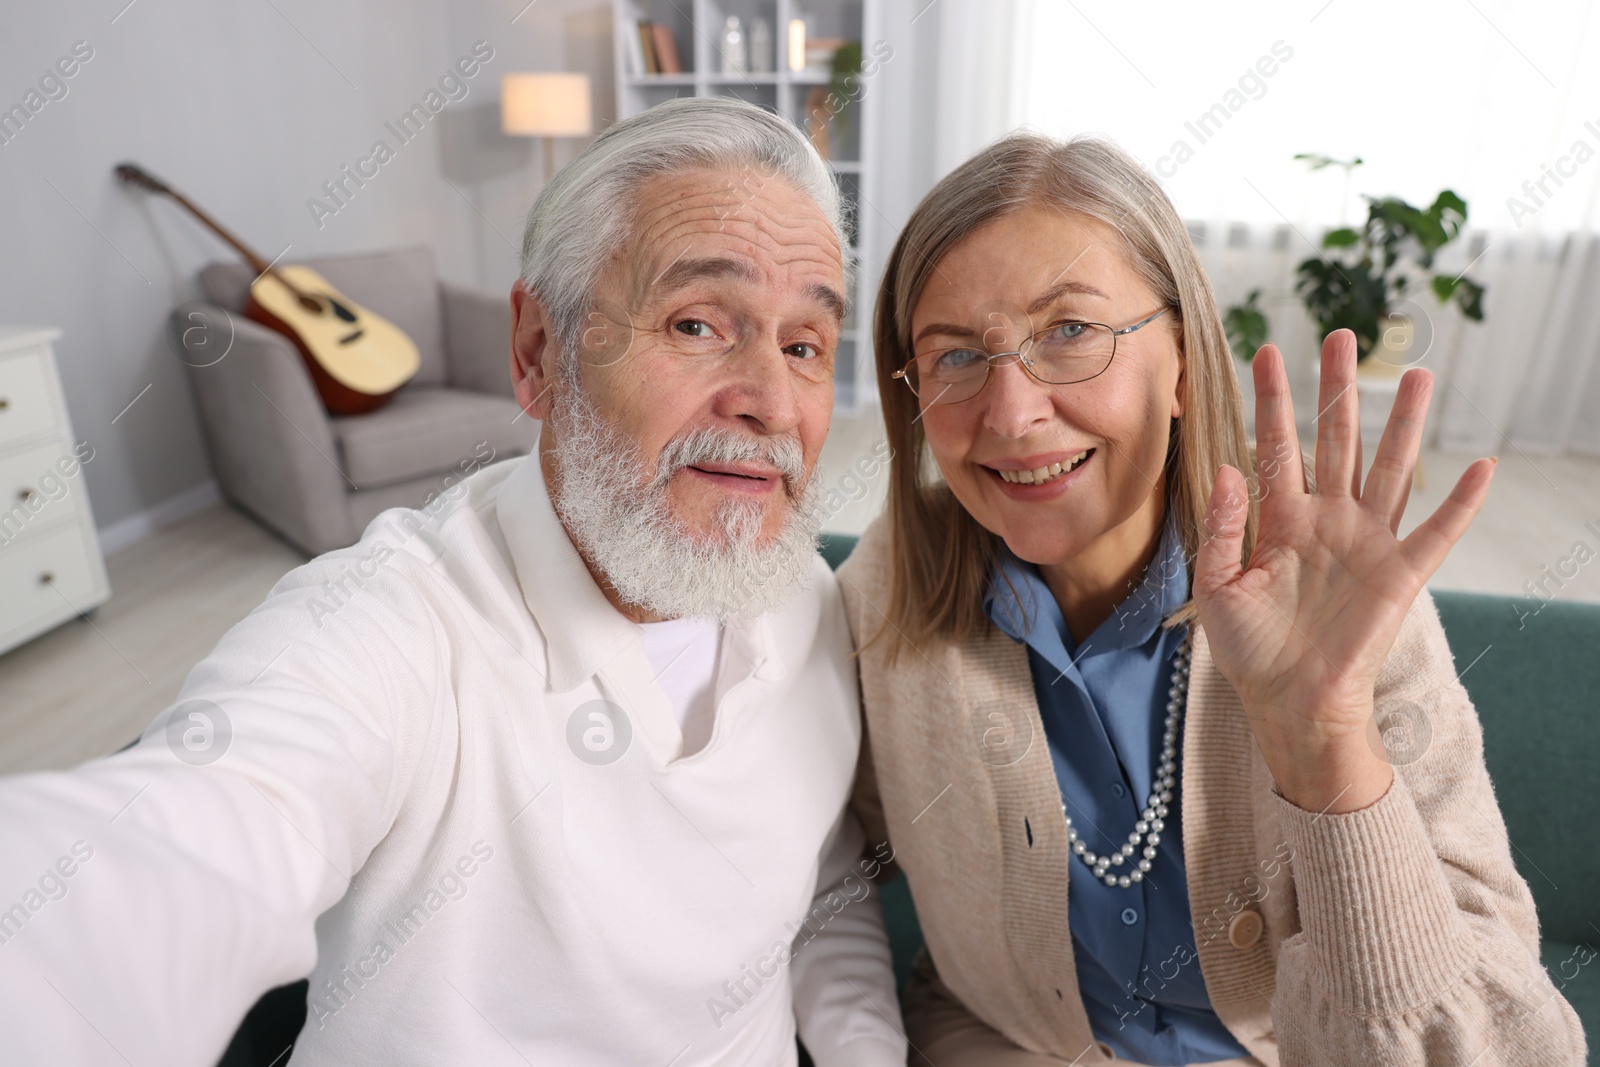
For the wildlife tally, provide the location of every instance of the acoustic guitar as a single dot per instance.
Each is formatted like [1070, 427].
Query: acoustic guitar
[357, 359]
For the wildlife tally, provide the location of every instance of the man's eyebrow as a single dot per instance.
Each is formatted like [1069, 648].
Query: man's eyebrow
[828, 297]
[684, 271]
[1045, 299]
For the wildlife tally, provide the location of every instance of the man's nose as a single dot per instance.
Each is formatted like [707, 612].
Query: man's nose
[759, 388]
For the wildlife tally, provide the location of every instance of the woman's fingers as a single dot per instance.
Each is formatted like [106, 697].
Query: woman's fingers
[1338, 417]
[1428, 544]
[1389, 482]
[1278, 462]
[1222, 536]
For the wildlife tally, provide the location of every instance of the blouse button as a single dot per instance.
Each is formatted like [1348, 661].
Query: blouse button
[1245, 929]
[1117, 790]
[1129, 916]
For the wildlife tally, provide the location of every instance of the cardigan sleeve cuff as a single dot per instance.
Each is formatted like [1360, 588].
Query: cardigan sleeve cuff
[1375, 905]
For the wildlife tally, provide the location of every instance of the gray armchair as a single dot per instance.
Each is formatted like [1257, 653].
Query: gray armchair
[317, 479]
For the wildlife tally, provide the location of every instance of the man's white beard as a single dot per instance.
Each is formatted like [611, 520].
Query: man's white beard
[621, 519]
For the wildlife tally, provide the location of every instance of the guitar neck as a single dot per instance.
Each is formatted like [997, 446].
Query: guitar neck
[136, 175]
[259, 265]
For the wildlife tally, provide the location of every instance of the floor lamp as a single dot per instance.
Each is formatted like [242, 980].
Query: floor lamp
[546, 106]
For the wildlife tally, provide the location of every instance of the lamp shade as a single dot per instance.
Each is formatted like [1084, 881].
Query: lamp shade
[546, 105]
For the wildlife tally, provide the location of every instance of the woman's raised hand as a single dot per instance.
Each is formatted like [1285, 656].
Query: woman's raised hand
[1303, 628]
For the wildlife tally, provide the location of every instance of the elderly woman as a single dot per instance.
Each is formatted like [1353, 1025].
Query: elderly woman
[1123, 698]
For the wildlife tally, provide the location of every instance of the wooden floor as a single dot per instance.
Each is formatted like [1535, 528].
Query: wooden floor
[92, 685]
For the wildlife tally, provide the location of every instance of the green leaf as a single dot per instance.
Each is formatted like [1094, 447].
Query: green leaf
[1343, 237]
[1247, 327]
[1318, 161]
[1343, 296]
[1443, 287]
[1448, 202]
[1469, 298]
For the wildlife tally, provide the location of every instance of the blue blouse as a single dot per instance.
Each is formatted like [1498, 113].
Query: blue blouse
[1104, 706]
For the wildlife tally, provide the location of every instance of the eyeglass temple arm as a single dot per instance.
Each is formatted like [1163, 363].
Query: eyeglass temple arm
[1137, 325]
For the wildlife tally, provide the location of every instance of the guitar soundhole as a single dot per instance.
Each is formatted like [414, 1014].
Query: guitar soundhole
[340, 310]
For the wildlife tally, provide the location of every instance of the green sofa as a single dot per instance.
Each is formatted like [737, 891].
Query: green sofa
[1535, 680]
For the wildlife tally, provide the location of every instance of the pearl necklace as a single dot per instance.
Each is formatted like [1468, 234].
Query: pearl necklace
[1152, 820]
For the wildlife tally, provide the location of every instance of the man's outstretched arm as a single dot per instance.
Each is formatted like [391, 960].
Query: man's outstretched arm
[150, 897]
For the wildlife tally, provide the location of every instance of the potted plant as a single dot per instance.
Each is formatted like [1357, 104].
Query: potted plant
[1368, 272]
[828, 107]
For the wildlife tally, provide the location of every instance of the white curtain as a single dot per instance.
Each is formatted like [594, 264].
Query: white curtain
[1532, 370]
[1528, 375]
[1496, 99]
[980, 78]
[956, 79]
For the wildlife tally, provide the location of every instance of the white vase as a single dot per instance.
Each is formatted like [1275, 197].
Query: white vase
[1389, 358]
[762, 59]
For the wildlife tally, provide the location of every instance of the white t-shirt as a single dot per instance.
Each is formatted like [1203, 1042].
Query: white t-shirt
[683, 657]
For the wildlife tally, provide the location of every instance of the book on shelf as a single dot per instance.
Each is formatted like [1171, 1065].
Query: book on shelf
[647, 41]
[667, 50]
[635, 52]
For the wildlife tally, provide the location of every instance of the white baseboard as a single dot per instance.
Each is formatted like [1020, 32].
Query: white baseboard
[141, 524]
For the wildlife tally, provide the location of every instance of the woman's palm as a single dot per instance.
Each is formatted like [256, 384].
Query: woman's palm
[1302, 629]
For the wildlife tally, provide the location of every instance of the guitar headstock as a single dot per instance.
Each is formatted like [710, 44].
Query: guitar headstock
[134, 175]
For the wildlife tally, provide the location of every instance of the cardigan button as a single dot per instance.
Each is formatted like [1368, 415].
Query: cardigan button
[1244, 930]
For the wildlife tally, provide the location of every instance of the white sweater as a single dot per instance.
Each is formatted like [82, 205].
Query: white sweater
[442, 782]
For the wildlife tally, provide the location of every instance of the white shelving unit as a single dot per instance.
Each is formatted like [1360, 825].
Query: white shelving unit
[50, 564]
[697, 27]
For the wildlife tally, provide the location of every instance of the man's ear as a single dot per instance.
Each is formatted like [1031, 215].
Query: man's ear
[533, 352]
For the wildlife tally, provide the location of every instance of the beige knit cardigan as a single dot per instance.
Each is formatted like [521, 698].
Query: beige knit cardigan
[1398, 934]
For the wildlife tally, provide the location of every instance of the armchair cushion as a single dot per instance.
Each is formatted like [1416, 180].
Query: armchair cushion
[426, 430]
[477, 339]
[400, 285]
[271, 447]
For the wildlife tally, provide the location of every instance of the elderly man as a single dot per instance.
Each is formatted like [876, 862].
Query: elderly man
[563, 778]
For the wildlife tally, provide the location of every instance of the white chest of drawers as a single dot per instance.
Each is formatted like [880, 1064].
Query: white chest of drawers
[51, 569]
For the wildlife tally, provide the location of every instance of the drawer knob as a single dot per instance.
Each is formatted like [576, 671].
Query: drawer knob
[4, 403]
[25, 494]
[47, 578]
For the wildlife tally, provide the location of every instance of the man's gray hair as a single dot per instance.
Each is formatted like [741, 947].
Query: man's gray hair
[584, 214]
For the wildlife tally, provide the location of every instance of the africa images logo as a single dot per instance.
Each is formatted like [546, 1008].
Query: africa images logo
[198, 732]
[598, 732]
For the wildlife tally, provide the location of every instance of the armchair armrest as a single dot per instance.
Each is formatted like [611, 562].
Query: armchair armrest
[271, 445]
[477, 339]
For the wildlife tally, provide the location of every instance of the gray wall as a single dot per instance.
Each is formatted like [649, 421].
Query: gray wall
[248, 108]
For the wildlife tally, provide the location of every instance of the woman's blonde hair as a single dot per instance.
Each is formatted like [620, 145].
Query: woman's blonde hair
[941, 558]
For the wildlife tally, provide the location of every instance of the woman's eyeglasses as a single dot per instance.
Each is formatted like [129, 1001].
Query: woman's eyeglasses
[1061, 354]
